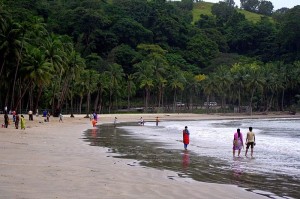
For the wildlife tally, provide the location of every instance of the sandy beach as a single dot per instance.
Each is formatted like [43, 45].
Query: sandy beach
[51, 160]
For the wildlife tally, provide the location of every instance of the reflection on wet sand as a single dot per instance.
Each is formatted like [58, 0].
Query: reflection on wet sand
[185, 160]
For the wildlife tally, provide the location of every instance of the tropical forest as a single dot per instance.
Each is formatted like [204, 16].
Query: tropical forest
[114, 56]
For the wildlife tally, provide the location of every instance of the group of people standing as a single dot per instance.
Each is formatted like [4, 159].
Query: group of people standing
[238, 142]
[16, 120]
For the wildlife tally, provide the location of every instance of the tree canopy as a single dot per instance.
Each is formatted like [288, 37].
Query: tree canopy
[87, 55]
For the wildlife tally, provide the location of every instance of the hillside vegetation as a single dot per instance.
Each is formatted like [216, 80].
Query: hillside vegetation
[205, 9]
[89, 55]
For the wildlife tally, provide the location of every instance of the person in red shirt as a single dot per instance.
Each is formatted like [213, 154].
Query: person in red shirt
[186, 137]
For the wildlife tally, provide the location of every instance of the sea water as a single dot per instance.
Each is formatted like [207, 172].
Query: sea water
[274, 171]
[276, 154]
[277, 147]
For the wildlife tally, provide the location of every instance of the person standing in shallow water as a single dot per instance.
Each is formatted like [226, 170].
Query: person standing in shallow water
[250, 141]
[238, 143]
[186, 137]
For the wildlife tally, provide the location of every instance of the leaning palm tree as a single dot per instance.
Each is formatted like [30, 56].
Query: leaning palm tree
[38, 69]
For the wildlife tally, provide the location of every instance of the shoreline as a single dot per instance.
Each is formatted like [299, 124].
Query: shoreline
[50, 160]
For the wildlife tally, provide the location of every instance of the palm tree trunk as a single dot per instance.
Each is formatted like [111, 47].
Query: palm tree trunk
[174, 101]
[38, 98]
[15, 78]
[72, 105]
[96, 100]
[269, 104]
[146, 100]
[21, 97]
[88, 98]
[282, 100]
[2, 65]
[239, 99]
[80, 103]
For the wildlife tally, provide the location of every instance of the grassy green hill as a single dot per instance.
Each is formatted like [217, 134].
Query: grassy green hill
[205, 8]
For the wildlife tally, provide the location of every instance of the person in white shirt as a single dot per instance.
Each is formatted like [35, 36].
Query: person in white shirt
[250, 141]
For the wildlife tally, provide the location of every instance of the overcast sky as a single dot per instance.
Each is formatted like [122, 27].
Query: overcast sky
[276, 3]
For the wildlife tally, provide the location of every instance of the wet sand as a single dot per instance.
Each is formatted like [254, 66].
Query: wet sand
[51, 160]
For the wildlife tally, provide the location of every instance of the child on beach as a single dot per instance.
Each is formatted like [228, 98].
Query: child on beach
[238, 143]
[60, 117]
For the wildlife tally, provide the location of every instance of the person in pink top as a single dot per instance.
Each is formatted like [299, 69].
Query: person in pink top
[238, 143]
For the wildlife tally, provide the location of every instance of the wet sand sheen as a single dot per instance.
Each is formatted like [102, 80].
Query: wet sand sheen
[187, 164]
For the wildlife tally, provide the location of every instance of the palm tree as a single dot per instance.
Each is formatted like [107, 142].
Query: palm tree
[176, 81]
[103, 84]
[254, 81]
[75, 66]
[145, 77]
[11, 45]
[239, 75]
[273, 83]
[90, 78]
[116, 74]
[209, 87]
[131, 88]
[224, 82]
[162, 83]
[38, 69]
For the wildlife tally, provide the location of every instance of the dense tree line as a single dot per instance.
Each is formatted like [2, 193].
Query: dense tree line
[105, 55]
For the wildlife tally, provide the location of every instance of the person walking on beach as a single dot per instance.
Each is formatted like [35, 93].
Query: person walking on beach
[238, 143]
[17, 120]
[22, 122]
[115, 121]
[14, 116]
[250, 141]
[48, 117]
[60, 118]
[94, 122]
[186, 137]
[142, 121]
[6, 120]
[95, 116]
[30, 113]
